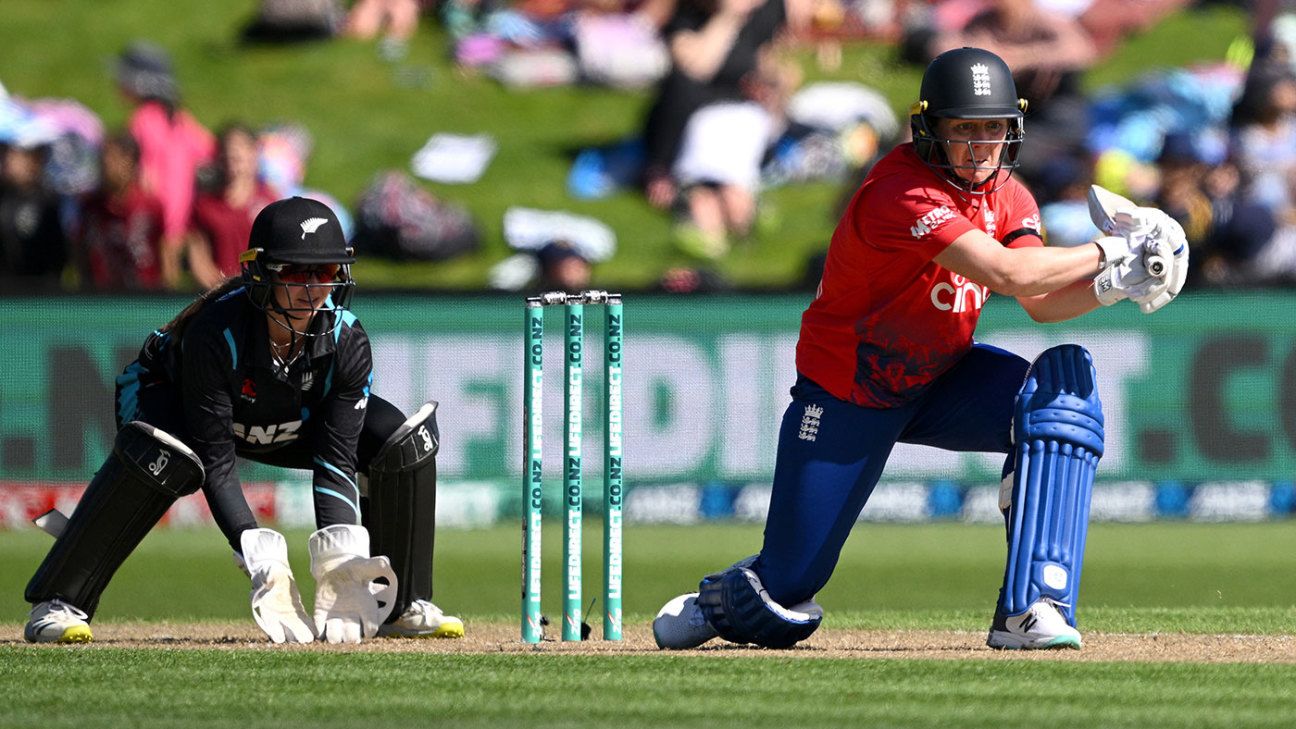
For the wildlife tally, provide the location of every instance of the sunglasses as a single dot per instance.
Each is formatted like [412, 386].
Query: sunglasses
[301, 274]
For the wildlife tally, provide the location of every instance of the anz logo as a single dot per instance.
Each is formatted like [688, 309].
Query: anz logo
[959, 295]
[267, 434]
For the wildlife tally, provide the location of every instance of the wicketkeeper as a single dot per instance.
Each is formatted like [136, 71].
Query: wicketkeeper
[886, 355]
[271, 366]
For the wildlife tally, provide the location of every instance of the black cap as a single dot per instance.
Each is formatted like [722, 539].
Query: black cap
[299, 230]
[969, 83]
[555, 252]
[144, 69]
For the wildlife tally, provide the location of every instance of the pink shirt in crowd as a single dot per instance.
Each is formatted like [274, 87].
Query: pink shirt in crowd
[171, 150]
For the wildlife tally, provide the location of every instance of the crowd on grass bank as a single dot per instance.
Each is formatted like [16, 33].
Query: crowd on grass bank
[165, 203]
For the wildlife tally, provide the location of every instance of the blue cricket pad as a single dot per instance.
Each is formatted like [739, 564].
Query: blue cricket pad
[1058, 439]
[738, 607]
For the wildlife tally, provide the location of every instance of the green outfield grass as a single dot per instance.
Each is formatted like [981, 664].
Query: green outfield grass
[52, 689]
[367, 115]
[1145, 578]
[1164, 578]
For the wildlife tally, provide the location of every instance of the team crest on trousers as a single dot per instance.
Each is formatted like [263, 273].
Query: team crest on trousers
[810, 423]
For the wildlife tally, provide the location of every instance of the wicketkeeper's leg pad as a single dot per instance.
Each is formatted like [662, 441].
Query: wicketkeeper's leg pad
[1058, 440]
[401, 513]
[736, 604]
[146, 472]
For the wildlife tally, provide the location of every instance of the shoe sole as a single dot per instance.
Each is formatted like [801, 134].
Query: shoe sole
[1062, 641]
[451, 630]
[77, 634]
[690, 645]
[74, 634]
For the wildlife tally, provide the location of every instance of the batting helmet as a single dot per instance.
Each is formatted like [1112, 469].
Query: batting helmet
[298, 242]
[967, 83]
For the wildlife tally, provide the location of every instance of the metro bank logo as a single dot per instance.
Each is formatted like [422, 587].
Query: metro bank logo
[959, 295]
[931, 220]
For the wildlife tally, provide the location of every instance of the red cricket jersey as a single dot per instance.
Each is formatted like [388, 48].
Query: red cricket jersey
[226, 227]
[888, 320]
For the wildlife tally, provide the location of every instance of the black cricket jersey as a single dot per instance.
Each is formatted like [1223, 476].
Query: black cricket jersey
[223, 395]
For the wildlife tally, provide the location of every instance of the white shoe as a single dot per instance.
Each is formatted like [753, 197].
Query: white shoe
[55, 621]
[680, 624]
[1041, 626]
[422, 619]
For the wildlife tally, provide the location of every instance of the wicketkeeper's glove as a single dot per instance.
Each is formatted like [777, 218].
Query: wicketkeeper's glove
[350, 604]
[276, 603]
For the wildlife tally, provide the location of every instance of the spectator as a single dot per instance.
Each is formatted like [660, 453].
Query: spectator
[283, 152]
[1108, 22]
[562, 268]
[714, 45]
[1045, 50]
[692, 280]
[172, 143]
[718, 167]
[1264, 137]
[118, 241]
[398, 18]
[619, 43]
[1248, 248]
[1185, 166]
[279, 21]
[1065, 216]
[225, 208]
[33, 247]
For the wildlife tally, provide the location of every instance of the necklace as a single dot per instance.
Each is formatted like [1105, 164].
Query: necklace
[283, 354]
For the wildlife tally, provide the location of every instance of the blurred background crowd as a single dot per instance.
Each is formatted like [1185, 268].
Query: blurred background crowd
[673, 145]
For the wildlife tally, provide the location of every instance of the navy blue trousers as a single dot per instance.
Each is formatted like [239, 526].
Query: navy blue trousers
[825, 471]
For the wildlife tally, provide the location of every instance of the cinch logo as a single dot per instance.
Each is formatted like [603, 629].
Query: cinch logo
[981, 80]
[1033, 222]
[959, 296]
[267, 434]
[930, 221]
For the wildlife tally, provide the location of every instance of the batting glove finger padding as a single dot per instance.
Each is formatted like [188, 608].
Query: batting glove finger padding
[1171, 251]
[1129, 277]
[1115, 250]
[350, 602]
[276, 602]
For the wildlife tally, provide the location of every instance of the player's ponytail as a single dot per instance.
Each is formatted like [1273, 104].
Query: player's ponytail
[176, 326]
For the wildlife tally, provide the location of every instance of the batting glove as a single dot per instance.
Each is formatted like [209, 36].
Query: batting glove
[1167, 247]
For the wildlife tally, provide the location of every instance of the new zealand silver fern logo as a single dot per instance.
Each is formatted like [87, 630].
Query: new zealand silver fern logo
[310, 225]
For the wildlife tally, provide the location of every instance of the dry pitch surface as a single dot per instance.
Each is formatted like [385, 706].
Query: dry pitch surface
[860, 644]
